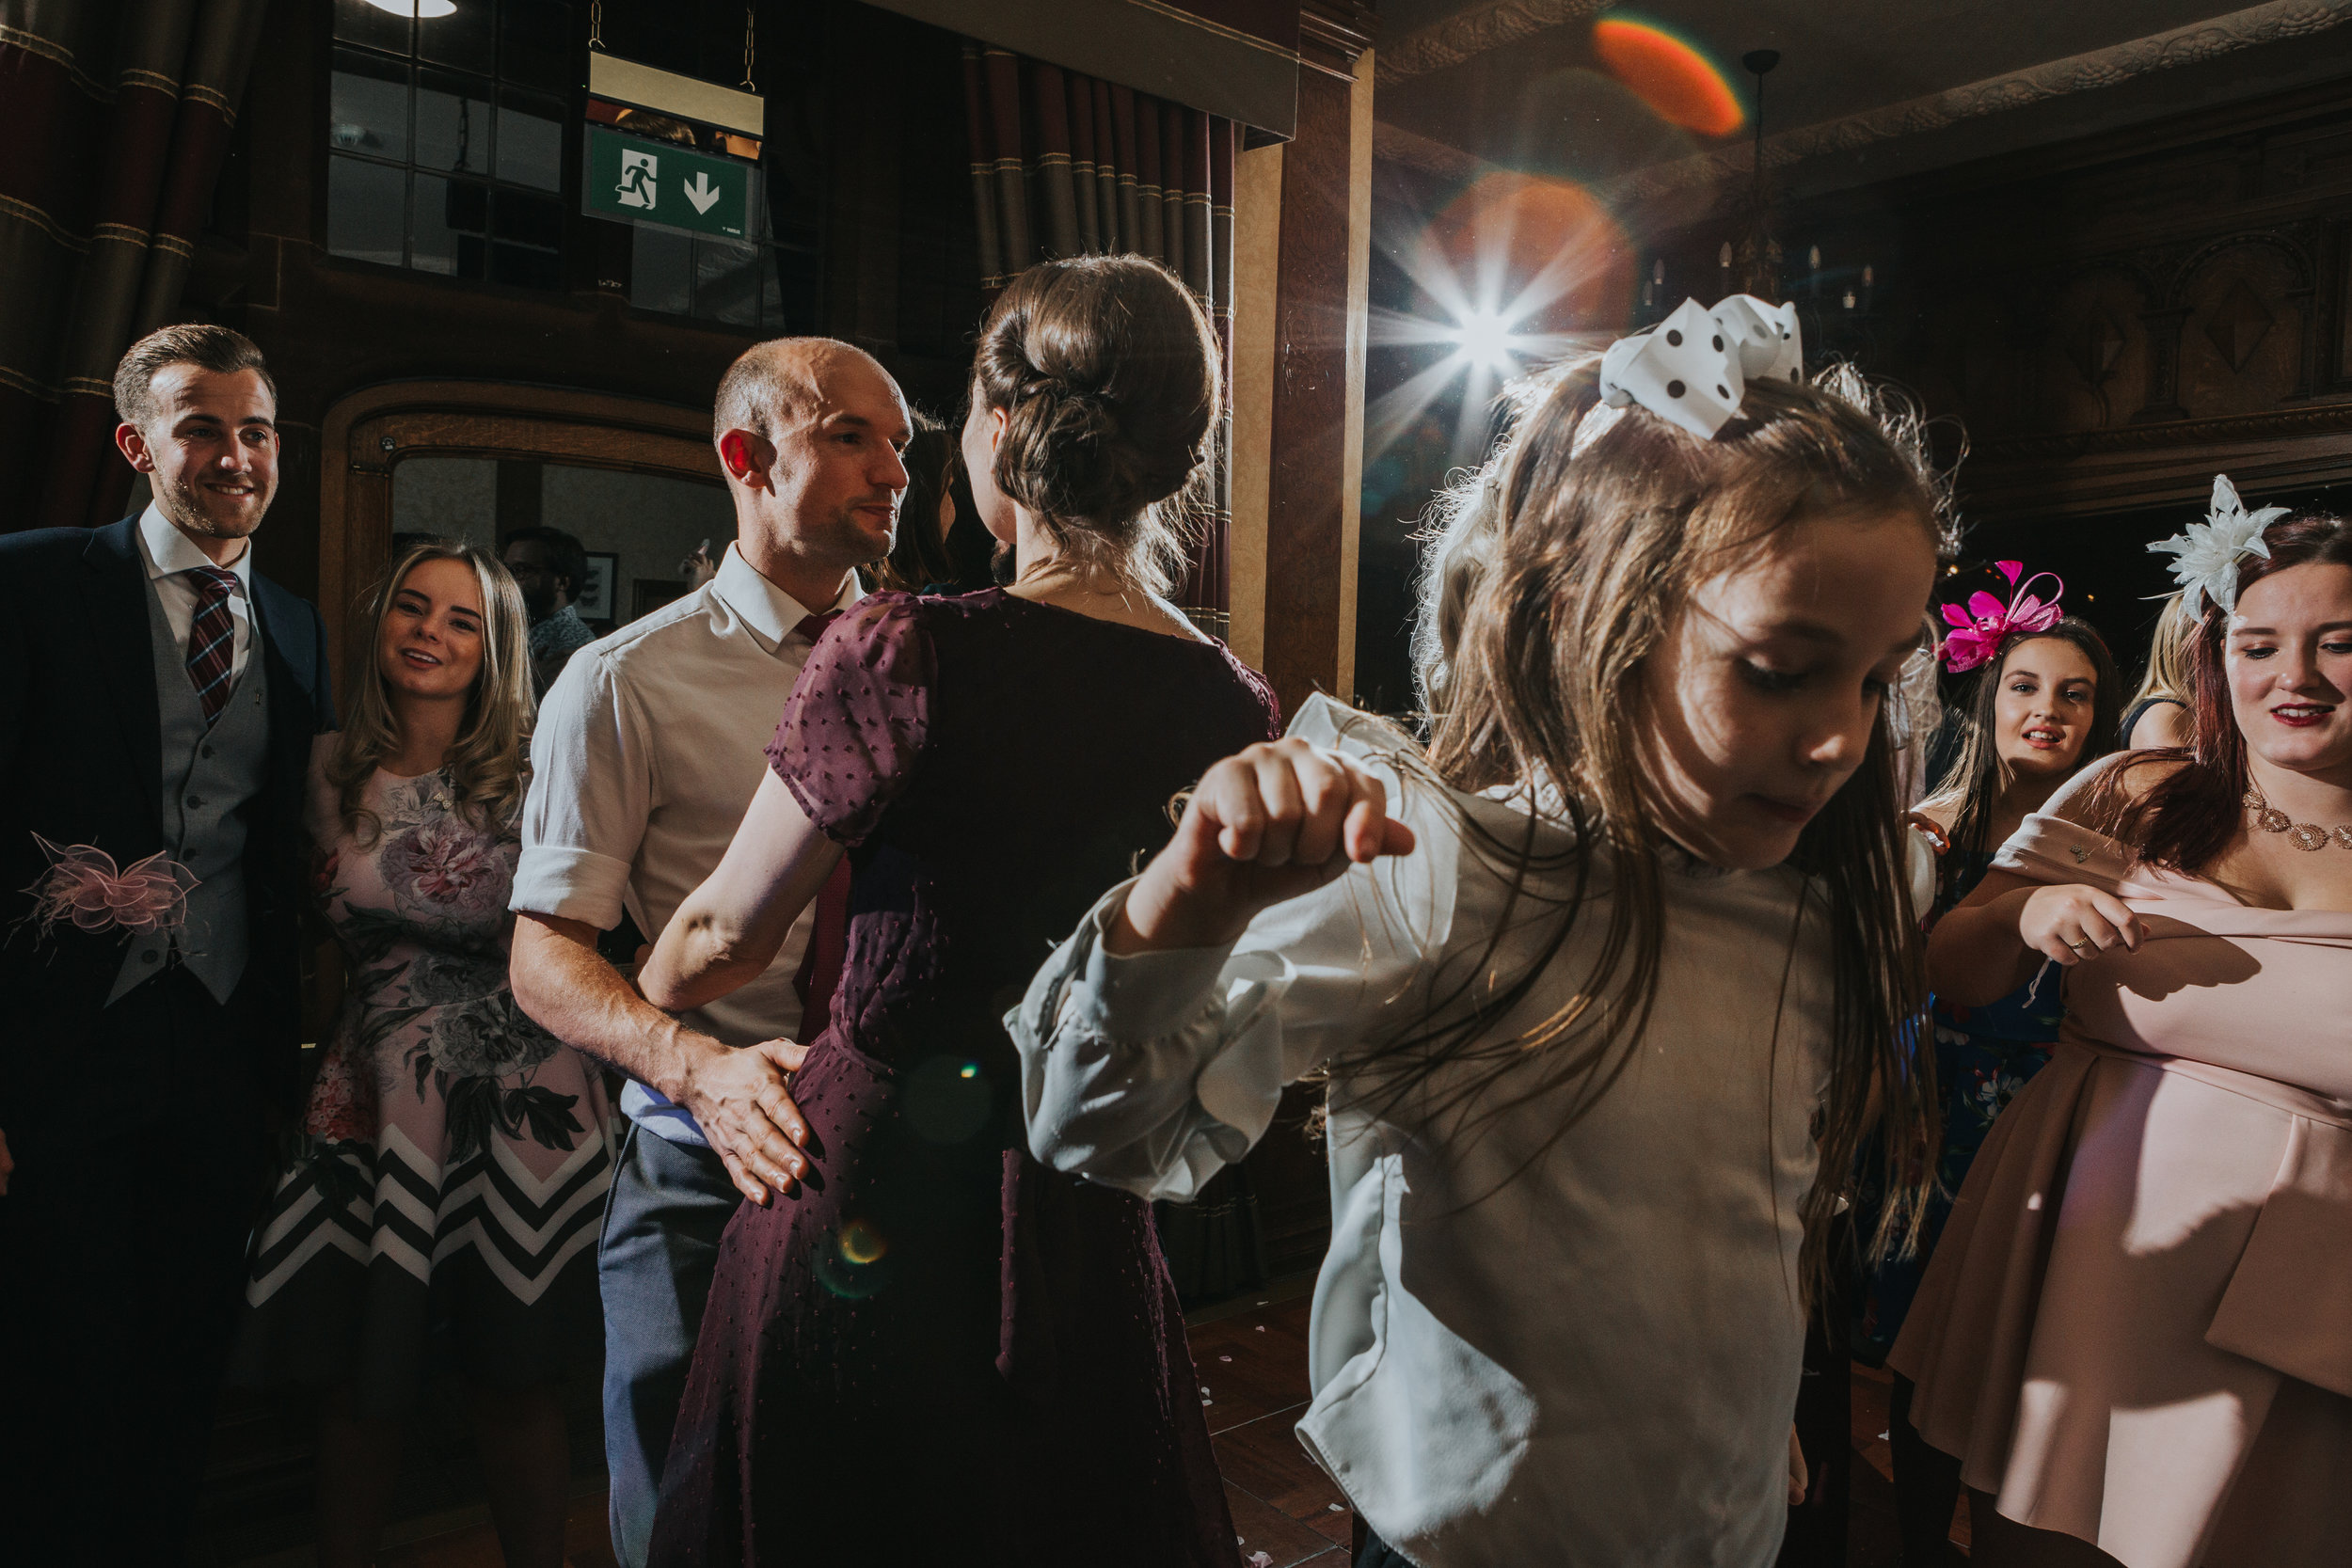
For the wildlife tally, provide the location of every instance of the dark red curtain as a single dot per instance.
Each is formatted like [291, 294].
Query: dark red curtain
[1065, 165]
[116, 115]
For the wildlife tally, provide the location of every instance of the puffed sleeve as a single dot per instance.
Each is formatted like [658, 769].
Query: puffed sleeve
[1151, 1071]
[853, 731]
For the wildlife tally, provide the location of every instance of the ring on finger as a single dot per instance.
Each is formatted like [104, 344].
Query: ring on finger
[2079, 946]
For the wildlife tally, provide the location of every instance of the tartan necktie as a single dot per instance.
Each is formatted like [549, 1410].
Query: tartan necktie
[211, 639]
[828, 950]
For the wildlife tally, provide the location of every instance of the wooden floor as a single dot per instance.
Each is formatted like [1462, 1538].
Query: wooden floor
[1253, 1387]
[1252, 1355]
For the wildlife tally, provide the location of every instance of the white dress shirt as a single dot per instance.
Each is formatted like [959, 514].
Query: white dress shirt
[170, 556]
[648, 749]
[1523, 1351]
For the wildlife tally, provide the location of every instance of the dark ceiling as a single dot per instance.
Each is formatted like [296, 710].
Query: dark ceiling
[1870, 88]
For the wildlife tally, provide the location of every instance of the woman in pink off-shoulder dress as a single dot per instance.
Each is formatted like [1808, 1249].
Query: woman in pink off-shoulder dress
[2136, 1333]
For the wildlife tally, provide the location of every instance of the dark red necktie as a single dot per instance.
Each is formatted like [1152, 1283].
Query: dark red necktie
[211, 639]
[828, 950]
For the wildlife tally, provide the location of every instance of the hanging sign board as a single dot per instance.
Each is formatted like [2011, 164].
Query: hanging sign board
[669, 152]
[636, 180]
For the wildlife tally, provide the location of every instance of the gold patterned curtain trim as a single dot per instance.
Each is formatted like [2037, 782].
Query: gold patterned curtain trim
[30, 387]
[146, 161]
[26, 212]
[33, 43]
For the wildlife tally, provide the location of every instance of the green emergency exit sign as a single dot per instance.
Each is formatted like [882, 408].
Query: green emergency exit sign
[662, 184]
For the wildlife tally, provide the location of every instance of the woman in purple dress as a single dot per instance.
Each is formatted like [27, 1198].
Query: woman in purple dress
[935, 1349]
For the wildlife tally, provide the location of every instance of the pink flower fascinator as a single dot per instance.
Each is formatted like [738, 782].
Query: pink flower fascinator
[1978, 630]
[84, 889]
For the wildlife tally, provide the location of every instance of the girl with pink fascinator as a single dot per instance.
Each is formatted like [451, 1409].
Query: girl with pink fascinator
[2042, 707]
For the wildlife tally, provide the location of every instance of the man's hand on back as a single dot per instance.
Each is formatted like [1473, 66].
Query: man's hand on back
[741, 1100]
[738, 1097]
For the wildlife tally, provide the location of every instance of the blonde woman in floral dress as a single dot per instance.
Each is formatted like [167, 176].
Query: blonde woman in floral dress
[439, 1211]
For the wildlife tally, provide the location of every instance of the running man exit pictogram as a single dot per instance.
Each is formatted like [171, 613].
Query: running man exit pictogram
[638, 170]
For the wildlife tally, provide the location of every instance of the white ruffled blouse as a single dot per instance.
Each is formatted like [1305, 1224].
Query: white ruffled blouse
[1525, 1349]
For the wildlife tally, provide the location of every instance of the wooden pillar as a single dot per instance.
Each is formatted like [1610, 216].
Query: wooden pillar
[1298, 373]
[1257, 267]
[1302, 256]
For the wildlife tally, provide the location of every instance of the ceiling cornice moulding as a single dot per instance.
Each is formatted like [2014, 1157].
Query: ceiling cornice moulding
[1467, 35]
[2273, 23]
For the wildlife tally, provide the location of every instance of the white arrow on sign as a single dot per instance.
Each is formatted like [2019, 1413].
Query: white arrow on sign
[702, 193]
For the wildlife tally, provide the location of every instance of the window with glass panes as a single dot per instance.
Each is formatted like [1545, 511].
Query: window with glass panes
[445, 136]
[768, 286]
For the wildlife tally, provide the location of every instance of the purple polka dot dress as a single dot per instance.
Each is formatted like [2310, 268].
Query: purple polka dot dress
[941, 1350]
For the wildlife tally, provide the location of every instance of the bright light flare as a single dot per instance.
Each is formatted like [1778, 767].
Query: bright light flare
[1680, 85]
[1521, 270]
[426, 10]
[1487, 341]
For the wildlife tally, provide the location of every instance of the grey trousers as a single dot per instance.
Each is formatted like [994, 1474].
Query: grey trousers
[669, 1205]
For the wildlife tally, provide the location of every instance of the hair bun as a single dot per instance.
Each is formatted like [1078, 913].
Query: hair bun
[1075, 456]
[1106, 371]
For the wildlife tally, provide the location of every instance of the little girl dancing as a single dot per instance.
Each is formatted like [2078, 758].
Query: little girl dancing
[1618, 975]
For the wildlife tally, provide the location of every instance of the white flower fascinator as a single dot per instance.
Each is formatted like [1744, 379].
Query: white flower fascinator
[2207, 556]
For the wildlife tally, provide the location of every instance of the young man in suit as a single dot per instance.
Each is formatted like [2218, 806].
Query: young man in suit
[160, 696]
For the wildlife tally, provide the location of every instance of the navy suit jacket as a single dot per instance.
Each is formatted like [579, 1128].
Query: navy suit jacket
[81, 762]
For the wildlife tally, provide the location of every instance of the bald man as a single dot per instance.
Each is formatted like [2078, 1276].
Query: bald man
[649, 747]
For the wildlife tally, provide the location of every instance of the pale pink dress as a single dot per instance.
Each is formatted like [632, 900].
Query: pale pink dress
[2137, 1327]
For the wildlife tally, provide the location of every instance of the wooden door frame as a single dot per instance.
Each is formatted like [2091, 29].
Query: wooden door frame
[368, 432]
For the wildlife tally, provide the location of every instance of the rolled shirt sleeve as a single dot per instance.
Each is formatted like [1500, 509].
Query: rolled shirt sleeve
[592, 788]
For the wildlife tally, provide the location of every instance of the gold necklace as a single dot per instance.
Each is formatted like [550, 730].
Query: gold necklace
[2303, 835]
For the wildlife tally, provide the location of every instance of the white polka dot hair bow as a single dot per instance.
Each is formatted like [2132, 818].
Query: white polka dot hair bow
[1694, 368]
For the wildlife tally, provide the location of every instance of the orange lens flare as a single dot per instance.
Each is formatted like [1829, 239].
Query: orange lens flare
[1546, 250]
[1680, 85]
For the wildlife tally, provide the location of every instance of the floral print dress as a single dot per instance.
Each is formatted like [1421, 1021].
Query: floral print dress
[439, 1203]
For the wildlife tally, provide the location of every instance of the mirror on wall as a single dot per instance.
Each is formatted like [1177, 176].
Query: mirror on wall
[637, 530]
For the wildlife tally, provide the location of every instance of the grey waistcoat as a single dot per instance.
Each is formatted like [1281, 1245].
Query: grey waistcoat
[208, 777]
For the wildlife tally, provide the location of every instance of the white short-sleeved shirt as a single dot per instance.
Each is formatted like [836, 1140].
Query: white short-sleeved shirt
[648, 750]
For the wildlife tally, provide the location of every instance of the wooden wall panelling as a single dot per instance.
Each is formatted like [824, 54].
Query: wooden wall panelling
[2106, 316]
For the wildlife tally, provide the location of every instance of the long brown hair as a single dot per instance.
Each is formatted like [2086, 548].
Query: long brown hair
[1978, 776]
[1603, 524]
[487, 762]
[2188, 817]
[919, 558]
[1106, 369]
